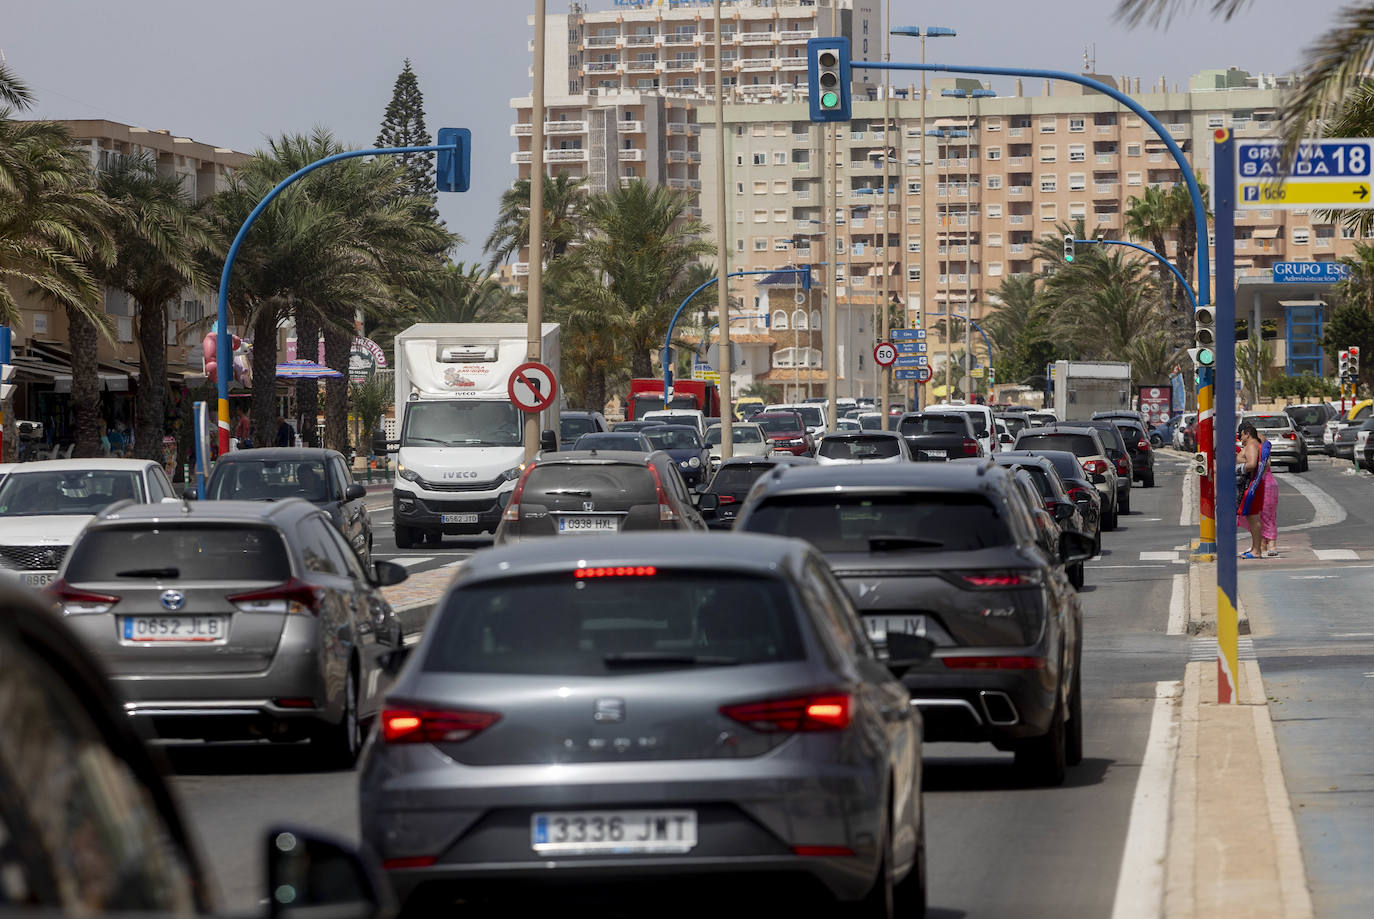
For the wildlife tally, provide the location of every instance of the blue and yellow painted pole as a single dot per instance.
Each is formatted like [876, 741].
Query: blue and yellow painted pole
[1224, 205]
[1206, 549]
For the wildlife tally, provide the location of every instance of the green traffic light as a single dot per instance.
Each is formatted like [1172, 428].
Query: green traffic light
[830, 100]
[1205, 357]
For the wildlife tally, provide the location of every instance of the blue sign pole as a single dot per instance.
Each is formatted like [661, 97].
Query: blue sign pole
[1224, 199]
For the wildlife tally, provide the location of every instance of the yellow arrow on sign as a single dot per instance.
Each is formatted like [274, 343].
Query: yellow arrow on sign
[1298, 193]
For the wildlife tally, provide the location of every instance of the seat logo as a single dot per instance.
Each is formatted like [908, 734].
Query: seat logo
[609, 711]
[172, 599]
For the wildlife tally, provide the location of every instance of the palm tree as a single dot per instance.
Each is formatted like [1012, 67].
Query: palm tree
[1149, 219]
[158, 233]
[1153, 357]
[565, 203]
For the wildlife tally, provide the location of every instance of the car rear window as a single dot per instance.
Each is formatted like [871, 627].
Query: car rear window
[810, 414]
[1068, 467]
[932, 424]
[575, 626]
[737, 480]
[1077, 444]
[1041, 478]
[75, 491]
[859, 523]
[1305, 415]
[617, 482]
[268, 480]
[860, 448]
[980, 421]
[1131, 434]
[870, 422]
[599, 441]
[1015, 423]
[778, 424]
[1269, 422]
[673, 438]
[188, 552]
[573, 428]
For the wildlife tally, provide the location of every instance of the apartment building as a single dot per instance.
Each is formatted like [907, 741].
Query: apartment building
[965, 204]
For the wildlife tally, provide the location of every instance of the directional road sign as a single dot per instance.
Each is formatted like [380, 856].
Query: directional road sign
[1335, 172]
[919, 374]
[908, 334]
[912, 360]
[884, 354]
[532, 387]
[910, 347]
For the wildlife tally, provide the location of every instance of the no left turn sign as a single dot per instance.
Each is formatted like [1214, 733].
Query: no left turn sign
[885, 354]
[532, 387]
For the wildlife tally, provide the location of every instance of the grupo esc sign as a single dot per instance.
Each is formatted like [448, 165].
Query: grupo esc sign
[1334, 173]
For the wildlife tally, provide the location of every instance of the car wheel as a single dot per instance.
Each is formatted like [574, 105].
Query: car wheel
[1073, 740]
[909, 895]
[1041, 759]
[1076, 576]
[337, 745]
[1156, 441]
[1109, 522]
[879, 902]
[1149, 480]
[1126, 503]
[404, 536]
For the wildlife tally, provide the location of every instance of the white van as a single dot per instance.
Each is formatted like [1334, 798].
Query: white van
[689, 416]
[984, 427]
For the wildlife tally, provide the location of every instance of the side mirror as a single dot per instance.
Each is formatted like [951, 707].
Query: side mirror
[379, 443]
[902, 651]
[1074, 548]
[1063, 512]
[188, 494]
[310, 875]
[548, 441]
[393, 661]
[1004, 439]
[355, 492]
[706, 501]
[384, 574]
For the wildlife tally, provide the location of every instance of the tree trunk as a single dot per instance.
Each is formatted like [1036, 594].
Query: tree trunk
[337, 344]
[149, 404]
[641, 365]
[11, 452]
[85, 382]
[596, 390]
[264, 377]
[307, 391]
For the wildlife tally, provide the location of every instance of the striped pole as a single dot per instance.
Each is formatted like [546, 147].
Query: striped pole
[1224, 470]
[1206, 549]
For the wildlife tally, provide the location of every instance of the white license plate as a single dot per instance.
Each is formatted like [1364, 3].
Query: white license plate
[937, 454]
[614, 832]
[39, 579]
[879, 626]
[457, 518]
[585, 524]
[200, 629]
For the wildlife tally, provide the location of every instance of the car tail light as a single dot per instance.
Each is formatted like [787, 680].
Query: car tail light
[801, 713]
[1143, 446]
[1291, 436]
[79, 601]
[1123, 466]
[414, 861]
[512, 511]
[1012, 662]
[417, 725]
[970, 447]
[995, 579]
[823, 851]
[727, 499]
[666, 514]
[617, 571]
[1095, 467]
[1080, 494]
[295, 596]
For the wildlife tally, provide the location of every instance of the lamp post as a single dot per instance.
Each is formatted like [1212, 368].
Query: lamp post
[945, 133]
[727, 430]
[923, 34]
[534, 316]
[968, 96]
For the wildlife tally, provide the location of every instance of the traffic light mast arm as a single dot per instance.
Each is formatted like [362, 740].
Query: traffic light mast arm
[1192, 296]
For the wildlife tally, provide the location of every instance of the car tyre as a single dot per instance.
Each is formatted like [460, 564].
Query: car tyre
[1125, 507]
[405, 537]
[338, 745]
[880, 901]
[1109, 522]
[1156, 441]
[1149, 479]
[1042, 759]
[1073, 740]
[909, 895]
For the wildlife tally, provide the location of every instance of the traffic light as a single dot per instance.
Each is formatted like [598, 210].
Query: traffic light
[1068, 248]
[1354, 364]
[452, 168]
[828, 78]
[1200, 464]
[1204, 337]
[1343, 359]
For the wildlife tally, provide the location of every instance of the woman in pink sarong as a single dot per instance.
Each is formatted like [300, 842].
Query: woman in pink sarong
[1269, 515]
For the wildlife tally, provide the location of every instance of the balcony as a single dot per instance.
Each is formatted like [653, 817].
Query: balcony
[1017, 191]
[1104, 220]
[1242, 244]
[1017, 248]
[677, 127]
[521, 130]
[641, 40]
[694, 212]
[630, 127]
[693, 184]
[1178, 130]
[1016, 220]
[601, 66]
[1106, 128]
[693, 156]
[1156, 157]
[803, 35]
[1105, 188]
[1015, 161]
[641, 67]
[758, 38]
[630, 156]
[1106, 159]
[758, 64]
[680, 38]
[602, 41]
[565, 127]
[802, 166]
[565, 156]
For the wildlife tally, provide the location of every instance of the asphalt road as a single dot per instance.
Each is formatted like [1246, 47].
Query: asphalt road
[996, 848]
[423, 558]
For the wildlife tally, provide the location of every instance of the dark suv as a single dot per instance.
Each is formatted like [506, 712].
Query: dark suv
[1086, 444]
[1310, 420]
[732, 482]
[950, 552]
[1119, 454]
[1137, 440]
[591, 492]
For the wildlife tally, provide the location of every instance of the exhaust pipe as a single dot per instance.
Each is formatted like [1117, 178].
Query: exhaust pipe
[998, 707]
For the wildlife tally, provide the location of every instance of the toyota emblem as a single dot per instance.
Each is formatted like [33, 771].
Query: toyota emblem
[172, 599]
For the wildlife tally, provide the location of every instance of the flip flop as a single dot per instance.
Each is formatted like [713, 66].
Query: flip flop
[1272, 553]
[1249, 555]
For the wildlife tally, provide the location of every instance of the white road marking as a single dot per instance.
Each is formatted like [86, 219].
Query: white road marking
[1169, 556]
[1335, 555]
[1178, 606]
[1103, 567]
[1187, 515]
[1353, 635]
[1140, 880]
[412, 562]
[1328, 509]
[1146, 520]
[1314, 577]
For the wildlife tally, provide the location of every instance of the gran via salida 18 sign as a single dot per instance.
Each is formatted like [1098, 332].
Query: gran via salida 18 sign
[1334, 173]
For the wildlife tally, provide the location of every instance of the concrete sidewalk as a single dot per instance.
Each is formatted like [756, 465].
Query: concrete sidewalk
[1233, 844]
[415, 598]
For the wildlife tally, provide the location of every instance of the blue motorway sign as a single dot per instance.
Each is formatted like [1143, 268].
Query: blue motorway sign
[912, 360]
[908, 334]
[1308, 271]
[1334, 172]
[919, 374]
[910, 347]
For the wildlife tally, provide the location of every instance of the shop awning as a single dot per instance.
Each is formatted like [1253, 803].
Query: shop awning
[109, 382]
[33, 370]
[1265, 233]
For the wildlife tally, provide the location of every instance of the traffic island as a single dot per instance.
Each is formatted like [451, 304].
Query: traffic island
[1202, 602]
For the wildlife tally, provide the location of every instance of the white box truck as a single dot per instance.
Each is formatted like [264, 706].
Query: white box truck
[1084, 387]
[460, 441]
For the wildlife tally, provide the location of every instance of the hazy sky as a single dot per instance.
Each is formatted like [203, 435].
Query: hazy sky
[232, 74]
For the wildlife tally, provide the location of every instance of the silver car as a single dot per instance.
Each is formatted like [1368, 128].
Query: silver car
[649, 708]
[1286, 446]
[863, 447]
[233, 619]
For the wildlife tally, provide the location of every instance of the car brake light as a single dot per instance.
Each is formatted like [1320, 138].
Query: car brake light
[79, 601]
[1143, 446]
[823, 851]
[995, 663]
[415, 861]
[666, 514]
[412, 725]
[1079, 494]
[617, 571]
[802, 713]
[727, 499]
[1095, 466]
[970, 447]
[997, 580]
[1291, 436]
[295, 596]
[512, 511]
[1123, 466]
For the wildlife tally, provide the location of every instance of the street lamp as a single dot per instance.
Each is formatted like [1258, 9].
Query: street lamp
[945, 134]
[923, 34]
[968, 96]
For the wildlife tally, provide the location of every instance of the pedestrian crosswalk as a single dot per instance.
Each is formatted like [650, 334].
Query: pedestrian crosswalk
[1205, 649]
[1179, 556]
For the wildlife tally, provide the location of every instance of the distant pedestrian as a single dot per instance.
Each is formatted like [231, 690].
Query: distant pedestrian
[286, 437]
[1269, 514]
[242, 426]
[1251, 471]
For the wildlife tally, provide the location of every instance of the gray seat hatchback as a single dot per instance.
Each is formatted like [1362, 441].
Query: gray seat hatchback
[671, 709]
[224, 620]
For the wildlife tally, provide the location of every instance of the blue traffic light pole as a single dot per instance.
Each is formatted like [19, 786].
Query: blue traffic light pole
[455, 150]
[1192, 295]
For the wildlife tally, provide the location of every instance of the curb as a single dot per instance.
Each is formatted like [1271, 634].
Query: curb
[1202, 617]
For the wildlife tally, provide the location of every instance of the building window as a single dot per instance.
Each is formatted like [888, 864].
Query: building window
[994, 269]
[760, 188]
[913, 215]
[779, 322]
[1133, 149]
[1049, 183]
[739, 188]
[1049, 212]
[1048, 153]
[1076, 125]
[1216, 121]
[1078, 181]
[760, 216]
[1078, 153]
[994, 181]
[779, 157]
[760, 243]
[913, 244]
[739, 159]
[992, 124]
[913, 187]
[739, 245]
[760, 159]
[1346, 233]
[780, 187]
[994, 210]
[1301, 236]
[1132, 178]
[994, 153]
[1047, 124]
[799, 319]
[759, 129]
[1077, 209]
[780, 215]
[40, 323]
[913, 272]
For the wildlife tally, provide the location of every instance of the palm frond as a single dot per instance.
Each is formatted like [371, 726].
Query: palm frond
[1162, 12]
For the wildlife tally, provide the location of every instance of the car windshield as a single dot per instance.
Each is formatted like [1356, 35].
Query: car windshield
[737, 479]
[187, 552]
[744, 434]
[268, 480]
[618, 482]
[811, 415]
[859, 448]
[573, 428]
[675, 437]
[932, 424]
[1040, 477]
[610, 441]
[777, 424]
[870, 422]
[76, 491]
[566, 625]
[857, 522]
[462, 424]
[1077, 444]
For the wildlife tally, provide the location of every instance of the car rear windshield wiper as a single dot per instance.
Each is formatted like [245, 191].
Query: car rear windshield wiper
[149, 573]
[580, 492]
[633, 658]
[890, 543]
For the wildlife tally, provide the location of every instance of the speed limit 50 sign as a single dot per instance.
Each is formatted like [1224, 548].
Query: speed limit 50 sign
[885, 354]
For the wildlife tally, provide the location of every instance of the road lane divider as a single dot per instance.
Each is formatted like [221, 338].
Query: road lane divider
[1327, 510]
[1141, 878]
[1178, 606]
